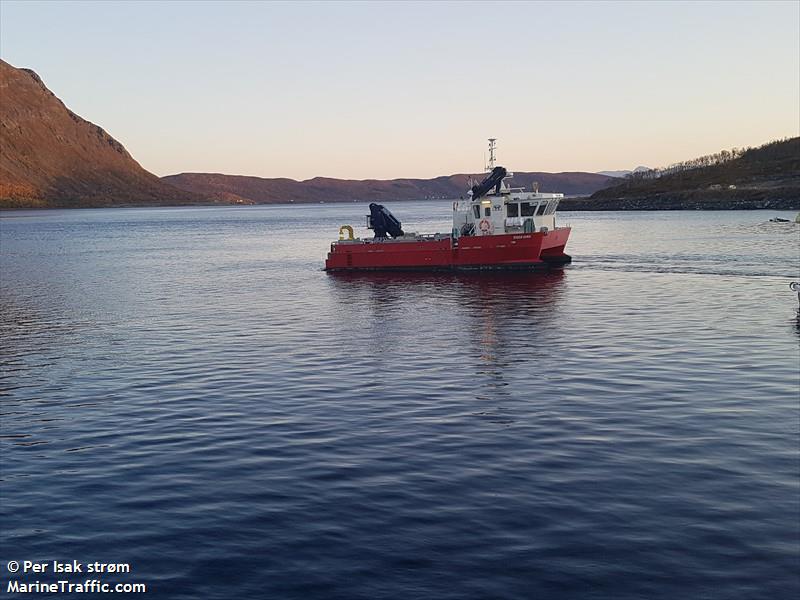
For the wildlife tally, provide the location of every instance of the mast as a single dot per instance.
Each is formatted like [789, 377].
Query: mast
[492, 148]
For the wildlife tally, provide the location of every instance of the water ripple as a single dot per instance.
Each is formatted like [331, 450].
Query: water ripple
[186, 391]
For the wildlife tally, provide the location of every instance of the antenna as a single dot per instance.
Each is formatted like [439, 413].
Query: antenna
[492, 148]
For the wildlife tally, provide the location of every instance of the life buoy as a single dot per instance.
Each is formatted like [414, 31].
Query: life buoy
[485, 226]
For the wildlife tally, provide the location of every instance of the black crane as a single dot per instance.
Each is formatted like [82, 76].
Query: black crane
[382, 222]
[493, 180]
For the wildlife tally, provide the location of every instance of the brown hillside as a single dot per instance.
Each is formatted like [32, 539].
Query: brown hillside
[51, 157]
[752, 178]
[267, 191]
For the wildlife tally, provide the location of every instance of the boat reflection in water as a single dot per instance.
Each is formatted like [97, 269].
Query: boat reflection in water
[489, 324]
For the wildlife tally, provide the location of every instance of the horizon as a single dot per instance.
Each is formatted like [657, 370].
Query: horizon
[394, 91]
[467, 174]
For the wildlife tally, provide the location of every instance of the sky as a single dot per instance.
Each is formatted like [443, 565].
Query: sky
[362, 90]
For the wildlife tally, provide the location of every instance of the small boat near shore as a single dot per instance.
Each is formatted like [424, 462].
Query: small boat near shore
[496, 227]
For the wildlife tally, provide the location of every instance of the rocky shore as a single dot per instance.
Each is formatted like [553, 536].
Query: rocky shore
[787, 198]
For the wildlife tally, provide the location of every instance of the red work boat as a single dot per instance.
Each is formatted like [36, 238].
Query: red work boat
[497, 227]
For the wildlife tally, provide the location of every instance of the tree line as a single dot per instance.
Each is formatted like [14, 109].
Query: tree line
[709, 160]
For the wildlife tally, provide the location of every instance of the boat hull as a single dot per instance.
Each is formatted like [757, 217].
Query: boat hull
[513, 251]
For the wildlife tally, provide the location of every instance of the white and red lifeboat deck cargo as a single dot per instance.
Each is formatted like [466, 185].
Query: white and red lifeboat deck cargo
[497, 227]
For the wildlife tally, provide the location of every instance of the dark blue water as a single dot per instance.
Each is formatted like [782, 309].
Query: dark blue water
[187, 392]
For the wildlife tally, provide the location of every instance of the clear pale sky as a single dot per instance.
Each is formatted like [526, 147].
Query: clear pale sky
[382, 90]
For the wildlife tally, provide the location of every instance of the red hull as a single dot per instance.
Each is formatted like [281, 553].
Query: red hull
[507, 251]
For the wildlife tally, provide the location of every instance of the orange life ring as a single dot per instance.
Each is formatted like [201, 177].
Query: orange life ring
[485, 226]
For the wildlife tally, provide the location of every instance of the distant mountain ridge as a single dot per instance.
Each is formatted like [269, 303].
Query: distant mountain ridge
[260, 190]
[50, 157]
[624, 172]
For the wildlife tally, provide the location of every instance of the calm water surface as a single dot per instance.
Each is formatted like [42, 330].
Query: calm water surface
[186, 391]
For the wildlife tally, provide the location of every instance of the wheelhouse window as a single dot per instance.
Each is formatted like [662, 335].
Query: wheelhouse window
[512, 209]
[527, 209]
[476, 210]
[542, 207]
[487, 212]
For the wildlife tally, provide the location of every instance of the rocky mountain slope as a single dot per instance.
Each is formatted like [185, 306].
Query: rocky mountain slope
[763, 177]
[258, 190]
[51, 157]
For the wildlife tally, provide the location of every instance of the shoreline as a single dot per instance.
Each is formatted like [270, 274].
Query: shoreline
[677, 203]
[575, 203]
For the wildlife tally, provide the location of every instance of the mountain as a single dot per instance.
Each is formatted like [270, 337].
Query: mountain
[763, 177]
[51, 157]
[623, 173]
[258, 190]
